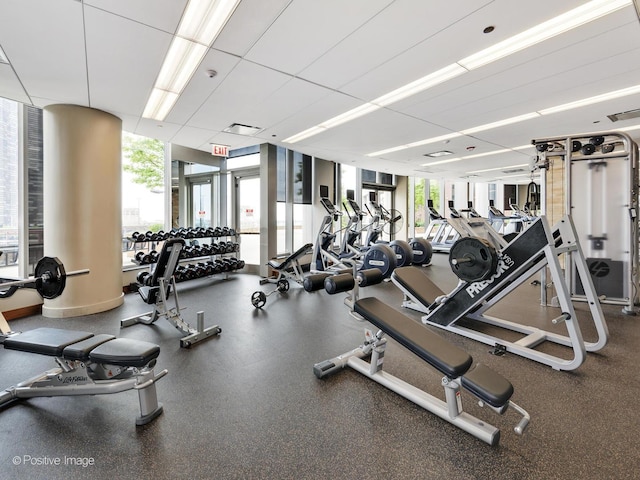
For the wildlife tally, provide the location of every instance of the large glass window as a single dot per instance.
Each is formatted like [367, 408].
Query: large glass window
[9, 190]
[142, 189]
[294, 209]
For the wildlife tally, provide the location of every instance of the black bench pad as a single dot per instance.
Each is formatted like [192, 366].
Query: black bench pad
[429, 346]
[80, 351]
[418, 284]
[125, 352]
[286, 263]
[45, 341]
[488, 385]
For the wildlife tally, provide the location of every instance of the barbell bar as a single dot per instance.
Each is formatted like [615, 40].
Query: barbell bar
[49, 279]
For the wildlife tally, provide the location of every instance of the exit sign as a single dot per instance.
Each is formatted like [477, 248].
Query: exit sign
[220, 150]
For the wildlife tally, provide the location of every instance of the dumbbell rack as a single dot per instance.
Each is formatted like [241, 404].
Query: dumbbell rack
[193, 253]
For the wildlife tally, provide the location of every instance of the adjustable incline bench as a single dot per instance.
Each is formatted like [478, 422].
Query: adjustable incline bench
[157, 291]
[88, 364]
[454, 363]
[288, 269]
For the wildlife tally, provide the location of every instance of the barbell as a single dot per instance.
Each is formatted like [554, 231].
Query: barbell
[473, 259]
[49, 279]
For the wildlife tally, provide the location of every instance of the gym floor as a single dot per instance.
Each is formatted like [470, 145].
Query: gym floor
[247, 405]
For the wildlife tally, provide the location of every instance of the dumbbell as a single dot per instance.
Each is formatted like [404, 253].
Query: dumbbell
[217, 232]
[225, 231]
[142, 276]
[240, 265]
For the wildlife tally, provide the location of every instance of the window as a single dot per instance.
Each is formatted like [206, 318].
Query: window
[142, 190]
[9, 190]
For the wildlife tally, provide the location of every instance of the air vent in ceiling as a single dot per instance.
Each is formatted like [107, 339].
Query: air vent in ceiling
[422, 170]
[240, 129]
[515, 170]
[441, 153]
[628, 115]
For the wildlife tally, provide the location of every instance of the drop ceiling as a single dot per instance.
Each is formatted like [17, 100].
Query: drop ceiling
[287, 65]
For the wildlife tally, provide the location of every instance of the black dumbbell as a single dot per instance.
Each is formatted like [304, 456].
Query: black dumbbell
[142, 276]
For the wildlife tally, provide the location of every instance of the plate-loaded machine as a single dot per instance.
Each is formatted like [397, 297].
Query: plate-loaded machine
[87, 364]
[489, 387]
[156, 292]
[488, 275]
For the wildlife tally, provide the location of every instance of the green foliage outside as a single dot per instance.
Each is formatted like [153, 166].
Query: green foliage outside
[144, 159]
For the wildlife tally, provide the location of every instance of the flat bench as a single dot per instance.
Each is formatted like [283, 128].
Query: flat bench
[93, 365]
[449, 359]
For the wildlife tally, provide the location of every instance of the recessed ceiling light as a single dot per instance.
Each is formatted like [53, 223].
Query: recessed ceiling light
[489, 29]
[441, 153]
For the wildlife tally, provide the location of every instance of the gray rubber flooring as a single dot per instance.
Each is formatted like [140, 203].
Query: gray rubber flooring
[246, 404]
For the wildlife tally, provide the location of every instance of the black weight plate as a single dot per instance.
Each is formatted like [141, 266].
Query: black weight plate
[282, 285]
[51, 277]
[473, 259]
[422, 251]
[404, 254]
[258, 299]
[381, 257]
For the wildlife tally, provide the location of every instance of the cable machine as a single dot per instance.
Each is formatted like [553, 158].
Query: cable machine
[594, 178]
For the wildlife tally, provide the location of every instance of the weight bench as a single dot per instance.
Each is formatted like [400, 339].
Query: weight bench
[160, 284]
[288, 269]
[88, 364]
[489, 387]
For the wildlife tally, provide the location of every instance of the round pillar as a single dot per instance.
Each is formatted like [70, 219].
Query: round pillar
[82, 207]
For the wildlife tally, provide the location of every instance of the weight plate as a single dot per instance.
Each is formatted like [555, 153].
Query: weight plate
[282, 285]
[258, 299]
[422, 251]
[51, 277]
[473, 259]
[404, 254]
[381, 257]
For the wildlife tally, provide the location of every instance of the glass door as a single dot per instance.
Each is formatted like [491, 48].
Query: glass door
[248, 217]
[201, 204]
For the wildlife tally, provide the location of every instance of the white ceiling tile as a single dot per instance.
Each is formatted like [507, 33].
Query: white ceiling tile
[159, 130]
[247, 24]
[46, 49]
[124, 58]
[412, 17]
[245, 85]
[201, 86]
[162, 14]
[307, 29]
[10, 86]
[192, 137]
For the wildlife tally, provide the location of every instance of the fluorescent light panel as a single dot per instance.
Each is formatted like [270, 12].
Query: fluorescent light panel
[553, 27]
[3, 57]
[200, 25]
[520, 118]
[592, 100]
[499, 168]
[543, 31]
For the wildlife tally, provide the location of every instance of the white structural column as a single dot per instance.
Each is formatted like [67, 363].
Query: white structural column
[82, 207]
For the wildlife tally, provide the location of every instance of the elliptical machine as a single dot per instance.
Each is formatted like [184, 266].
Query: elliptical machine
[325, 258]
